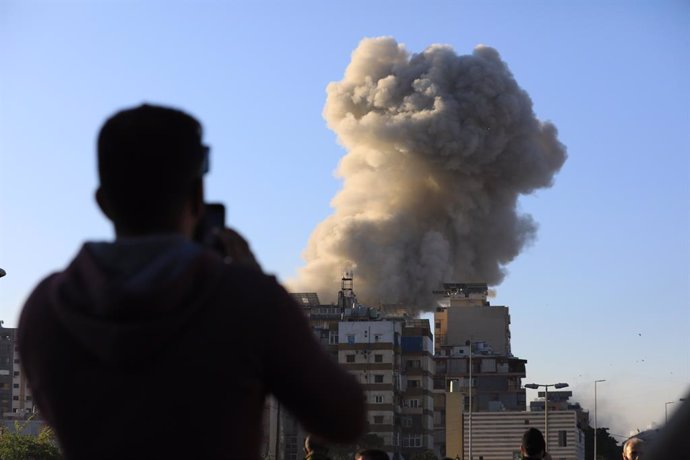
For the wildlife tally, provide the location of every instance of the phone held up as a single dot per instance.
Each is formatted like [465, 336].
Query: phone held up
[212, 219]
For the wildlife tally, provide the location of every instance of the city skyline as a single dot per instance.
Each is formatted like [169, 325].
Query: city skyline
[603, 292]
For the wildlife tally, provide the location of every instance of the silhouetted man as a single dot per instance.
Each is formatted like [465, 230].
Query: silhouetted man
[533, 445]
[315, 449]
[153, 346]
[371, 454]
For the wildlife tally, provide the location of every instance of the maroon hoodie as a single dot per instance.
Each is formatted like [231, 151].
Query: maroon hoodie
[155, 348]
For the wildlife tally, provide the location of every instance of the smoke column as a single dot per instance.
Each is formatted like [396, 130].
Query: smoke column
[439, 148]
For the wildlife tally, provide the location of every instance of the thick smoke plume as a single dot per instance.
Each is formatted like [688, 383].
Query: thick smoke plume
[439, 148]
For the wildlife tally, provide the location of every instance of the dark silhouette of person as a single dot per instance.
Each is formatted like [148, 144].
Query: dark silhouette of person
[154, 346]
[315, 448]
[533, 445]
[371, 454]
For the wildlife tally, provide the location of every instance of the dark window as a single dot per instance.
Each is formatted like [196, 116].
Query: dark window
[413, 383]
[16, 385]
[378, 358]
[350, 358]
[16, 398]
[378, 419]
[378, 378]
[562, 438]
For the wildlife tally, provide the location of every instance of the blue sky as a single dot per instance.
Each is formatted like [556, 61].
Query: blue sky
[603, 292]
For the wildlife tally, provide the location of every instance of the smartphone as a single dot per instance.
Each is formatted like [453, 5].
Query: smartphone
[213, 218]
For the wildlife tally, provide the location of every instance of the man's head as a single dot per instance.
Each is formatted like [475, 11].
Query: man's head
[533, 445]
[633, 449]
[150, 165]
[314, 444]
[371, 454]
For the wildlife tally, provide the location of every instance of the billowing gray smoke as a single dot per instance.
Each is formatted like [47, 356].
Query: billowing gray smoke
[439, 148]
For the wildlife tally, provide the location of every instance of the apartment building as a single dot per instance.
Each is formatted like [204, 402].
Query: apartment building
[473, 354]
[16, 400]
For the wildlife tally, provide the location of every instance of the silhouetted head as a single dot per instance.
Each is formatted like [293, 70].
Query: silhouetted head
[633, 449]
[533, 445]
[314, 444]
[371, 454]
[150, 164]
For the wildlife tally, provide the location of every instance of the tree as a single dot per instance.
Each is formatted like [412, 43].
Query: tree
[20, 446]
[607, 447]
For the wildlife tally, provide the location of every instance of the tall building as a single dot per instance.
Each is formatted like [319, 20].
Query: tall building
[473, 354]
[16, 400]
[391, 356]
[417, 417]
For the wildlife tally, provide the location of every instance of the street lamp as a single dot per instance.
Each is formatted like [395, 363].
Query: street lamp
[666, 409]
[595, 417]
[535, 386]
[469, 343]
[666, 406]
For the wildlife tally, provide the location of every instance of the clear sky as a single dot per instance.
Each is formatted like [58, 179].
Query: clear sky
[602, 293]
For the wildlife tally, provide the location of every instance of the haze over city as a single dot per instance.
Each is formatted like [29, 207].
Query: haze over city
[598, 285]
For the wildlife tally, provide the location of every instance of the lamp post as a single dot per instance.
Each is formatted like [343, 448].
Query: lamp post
[469, 342]
[666, 409]
[535, 386]
[595, 417]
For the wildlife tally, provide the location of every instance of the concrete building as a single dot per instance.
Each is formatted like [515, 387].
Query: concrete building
[417, 417]
[16, 400]
[371, 351]
[392, 357]
[498, 435]
[470, 317]
[473, 354]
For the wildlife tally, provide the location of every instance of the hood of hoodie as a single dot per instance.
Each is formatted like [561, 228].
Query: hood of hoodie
[125, 301]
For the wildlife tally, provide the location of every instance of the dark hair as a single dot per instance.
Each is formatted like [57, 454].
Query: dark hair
[372, 454]
[314, 444]
[149, 158]
[533, 442]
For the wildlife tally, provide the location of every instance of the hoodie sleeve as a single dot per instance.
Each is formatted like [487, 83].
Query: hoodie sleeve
[326, 399]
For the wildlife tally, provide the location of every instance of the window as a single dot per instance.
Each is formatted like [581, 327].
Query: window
[16, 385]
[378, 419]
[378, 399]
[411, 403]
[16, 373]
[438, 324]
[406, 422]
[332, 337]
[413, 384]
[378, 378]
[378, 358]
[412, 440]
[28, 398]
[350, 338]
[562, 438]
[15, 398]
[349, 358]
[413, 364]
